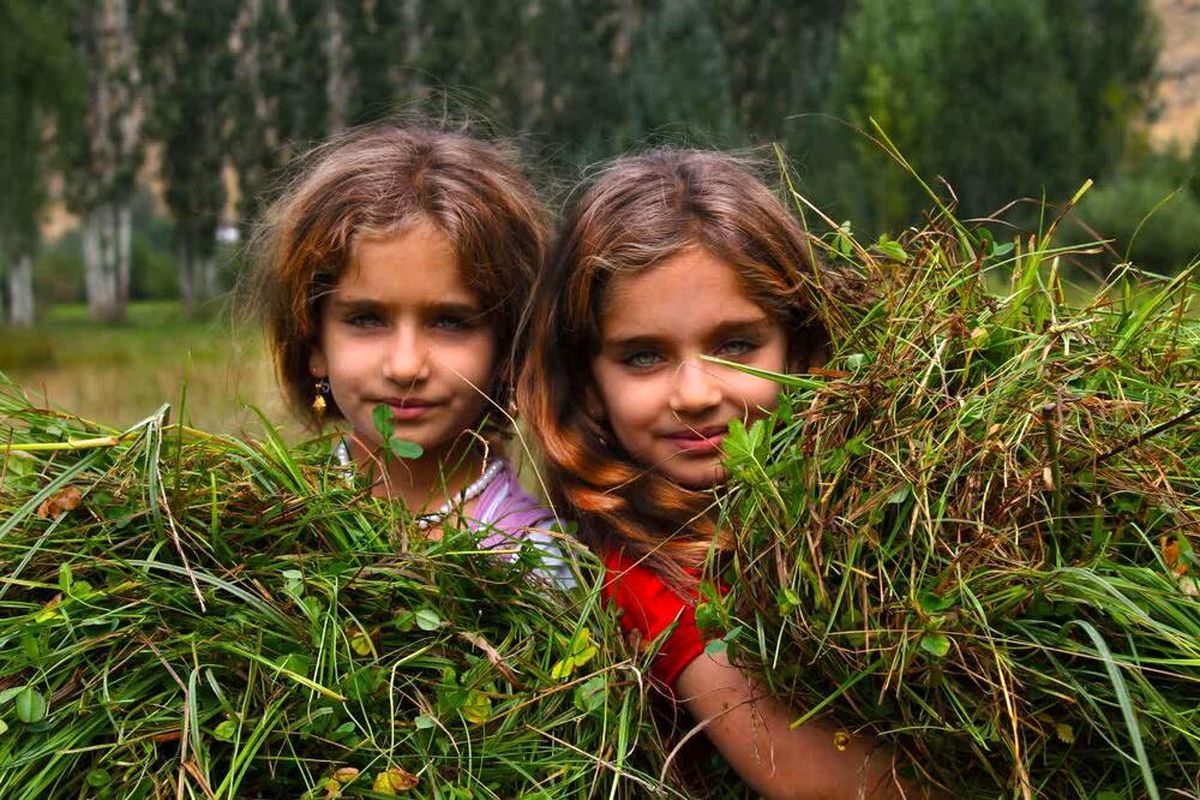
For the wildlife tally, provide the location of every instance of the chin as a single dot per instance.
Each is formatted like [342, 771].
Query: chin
[699, 480]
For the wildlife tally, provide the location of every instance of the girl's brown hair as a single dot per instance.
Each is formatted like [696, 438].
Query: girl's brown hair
[636, 213]
[372, 182]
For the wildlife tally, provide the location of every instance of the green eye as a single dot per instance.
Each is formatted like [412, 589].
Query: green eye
[452, 322]
[641, 359]
[737, 347]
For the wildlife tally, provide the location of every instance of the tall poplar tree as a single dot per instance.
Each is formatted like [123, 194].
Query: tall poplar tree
[35, 97]
[188, 64]
[104, 151]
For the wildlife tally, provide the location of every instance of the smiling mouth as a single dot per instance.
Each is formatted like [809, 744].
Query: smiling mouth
[410, 409]
[699, 440]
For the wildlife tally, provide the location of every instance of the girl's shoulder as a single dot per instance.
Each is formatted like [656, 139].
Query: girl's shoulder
[507, 507]
[650, 606]
[508, 515]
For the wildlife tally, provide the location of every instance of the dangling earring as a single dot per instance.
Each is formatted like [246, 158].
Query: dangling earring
[319, 404]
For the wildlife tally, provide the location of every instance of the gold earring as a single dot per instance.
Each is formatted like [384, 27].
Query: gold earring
[319, 404]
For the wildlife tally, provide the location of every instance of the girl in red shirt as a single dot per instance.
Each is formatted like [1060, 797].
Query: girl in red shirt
[665, 258]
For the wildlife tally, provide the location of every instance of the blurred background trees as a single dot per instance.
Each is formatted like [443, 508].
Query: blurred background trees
[167, 122]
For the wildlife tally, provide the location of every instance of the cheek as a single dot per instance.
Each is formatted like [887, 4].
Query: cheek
[759, 394]
[631, 408]
[475, 361]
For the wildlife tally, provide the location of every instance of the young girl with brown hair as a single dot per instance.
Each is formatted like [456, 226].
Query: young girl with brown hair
[666, 258]
[392, 273]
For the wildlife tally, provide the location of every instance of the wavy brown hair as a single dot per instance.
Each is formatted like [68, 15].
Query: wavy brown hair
[371, 183]
[638, 212]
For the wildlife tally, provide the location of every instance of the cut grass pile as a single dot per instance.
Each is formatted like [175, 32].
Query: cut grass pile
[977, 535]
[190, 615]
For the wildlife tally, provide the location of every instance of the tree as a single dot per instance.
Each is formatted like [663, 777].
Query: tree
[188, 63]
[40, 76]
[272, 108]
[1002, 99]
[104, 150]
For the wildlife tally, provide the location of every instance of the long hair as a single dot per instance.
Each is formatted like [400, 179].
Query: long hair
[638, 212]
[371, 183]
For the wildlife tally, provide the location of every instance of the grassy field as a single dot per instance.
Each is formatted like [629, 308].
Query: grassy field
[210, 370]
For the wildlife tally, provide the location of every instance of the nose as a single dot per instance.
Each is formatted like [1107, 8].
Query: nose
[694, 389]
[407, 359]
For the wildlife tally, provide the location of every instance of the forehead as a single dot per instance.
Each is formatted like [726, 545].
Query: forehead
[690, 292]
[417, 261]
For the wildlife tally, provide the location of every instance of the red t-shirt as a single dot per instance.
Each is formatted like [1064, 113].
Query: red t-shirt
[650, 606]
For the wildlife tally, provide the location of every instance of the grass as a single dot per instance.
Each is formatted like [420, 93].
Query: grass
[209, 367]
[190, 615]
[977, 537]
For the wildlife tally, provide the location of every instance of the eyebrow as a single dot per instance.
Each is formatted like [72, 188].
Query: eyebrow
[727, 328]
[365, 304]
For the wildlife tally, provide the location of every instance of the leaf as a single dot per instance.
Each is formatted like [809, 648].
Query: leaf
[345, 775]
[226, 730]
[381, 416]
[394, 780]
[786, 600]
[31, 705]
[587, 655]
[563, 668]
[477, 708]
[715, 647]
[424, 722]
[427, 619]
[708, 616]
[3, 727]
[64, 576]
[891, 248]
[65, 499]
[933, 603]
[591, 694]
[402, 448]
[98, 778]
[360, 641]
[936, 644]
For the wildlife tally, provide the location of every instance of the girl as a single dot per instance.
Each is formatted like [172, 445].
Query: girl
[393, 271]
[668, 257]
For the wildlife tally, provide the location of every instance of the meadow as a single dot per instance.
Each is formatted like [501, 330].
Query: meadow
[212, 370]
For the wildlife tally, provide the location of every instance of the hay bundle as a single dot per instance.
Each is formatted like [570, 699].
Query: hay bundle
[977, 535]
[188, 615]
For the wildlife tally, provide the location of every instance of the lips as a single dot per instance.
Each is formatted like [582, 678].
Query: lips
[698, 440]
[410, 408]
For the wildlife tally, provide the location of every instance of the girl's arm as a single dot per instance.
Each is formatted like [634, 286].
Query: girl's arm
[750, 729]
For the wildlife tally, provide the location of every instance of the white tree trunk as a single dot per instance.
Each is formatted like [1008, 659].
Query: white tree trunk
[20, 291]
[114, 127]
[106, 261]
[187, 279]
[210, 270]
[337, 85]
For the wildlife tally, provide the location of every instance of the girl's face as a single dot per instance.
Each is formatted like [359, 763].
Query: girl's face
[402, 329]
[669, 409]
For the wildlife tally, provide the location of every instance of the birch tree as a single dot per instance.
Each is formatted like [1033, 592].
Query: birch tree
[106, 152]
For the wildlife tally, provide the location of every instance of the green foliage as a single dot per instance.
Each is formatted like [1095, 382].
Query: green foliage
[976, 537]
[1003, 100]
[1149, 212]
[186, 58]
[178, 609]
[37, 92]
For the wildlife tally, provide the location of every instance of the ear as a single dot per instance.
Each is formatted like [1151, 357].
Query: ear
[318, 365]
